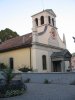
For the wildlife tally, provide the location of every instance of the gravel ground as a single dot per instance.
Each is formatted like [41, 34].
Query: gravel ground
[37, 91]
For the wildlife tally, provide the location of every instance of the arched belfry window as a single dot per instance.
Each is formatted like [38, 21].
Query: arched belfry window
[36, 21]
[42, 20]
[44, 62]
[53, 21]
[49, 19]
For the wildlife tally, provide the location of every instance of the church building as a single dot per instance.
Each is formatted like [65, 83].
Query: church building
[42, 49]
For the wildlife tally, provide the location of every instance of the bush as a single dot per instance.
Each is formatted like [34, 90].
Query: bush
[14, 92]
[3, 88]
[9, 87]
[3, 66]
[16, 87]
[16, 84]
[72, 83]
[25, 69]
[46, 81]
[27, 80]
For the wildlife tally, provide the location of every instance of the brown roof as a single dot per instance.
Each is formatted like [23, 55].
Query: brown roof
[16, 43]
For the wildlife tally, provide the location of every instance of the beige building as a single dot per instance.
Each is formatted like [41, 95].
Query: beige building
[42, 50]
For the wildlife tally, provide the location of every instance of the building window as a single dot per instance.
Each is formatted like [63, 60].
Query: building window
[11, 63]
[44, 62]
[53, 21]
[42, 20]
[49, 19]
[36, 21]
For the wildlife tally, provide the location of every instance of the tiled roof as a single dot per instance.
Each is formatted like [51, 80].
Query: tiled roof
[17, 42]
[47, 10]
[60, 54]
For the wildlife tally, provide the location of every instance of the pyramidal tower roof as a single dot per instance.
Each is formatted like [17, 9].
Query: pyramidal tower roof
[46, 10]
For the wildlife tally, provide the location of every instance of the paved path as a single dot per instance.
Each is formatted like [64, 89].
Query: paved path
[46, 92]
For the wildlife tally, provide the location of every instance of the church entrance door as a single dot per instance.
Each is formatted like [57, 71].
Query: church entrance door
[56, 66]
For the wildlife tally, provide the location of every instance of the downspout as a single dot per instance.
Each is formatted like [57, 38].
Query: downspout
[30, 58]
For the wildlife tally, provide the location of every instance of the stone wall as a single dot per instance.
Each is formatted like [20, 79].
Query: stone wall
[55, 78]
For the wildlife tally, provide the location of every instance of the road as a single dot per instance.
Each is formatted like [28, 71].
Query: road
[37, 91]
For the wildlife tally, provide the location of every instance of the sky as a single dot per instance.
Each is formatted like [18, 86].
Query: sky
[16, 15]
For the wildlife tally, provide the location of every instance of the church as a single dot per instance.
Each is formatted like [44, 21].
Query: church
[42, 49]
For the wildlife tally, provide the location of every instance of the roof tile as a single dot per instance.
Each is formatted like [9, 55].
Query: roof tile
[17, 42]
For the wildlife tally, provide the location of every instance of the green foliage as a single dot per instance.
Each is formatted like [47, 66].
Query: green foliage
[11, 87]
[46, 81]
[27, 80]
[7, 34]
[14, 92]
[9, 75]
[10, 93]
[2, 66]
[25, 69]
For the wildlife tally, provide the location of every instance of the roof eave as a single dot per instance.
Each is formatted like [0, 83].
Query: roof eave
[16, 48]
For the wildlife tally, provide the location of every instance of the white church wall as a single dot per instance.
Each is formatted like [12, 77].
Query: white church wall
[66, 65]
[37, 66]
[39, 60]
[44, 37]
[61, 44]
[37, 53]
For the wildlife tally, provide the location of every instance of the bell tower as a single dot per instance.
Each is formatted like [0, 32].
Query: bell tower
[45, 38]
[42, 24]
[42, 19]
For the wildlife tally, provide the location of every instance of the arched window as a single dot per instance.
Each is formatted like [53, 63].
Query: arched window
[42, 20]
[49, 19]
[36, 21]
[53, 21]
[11, 62]
[44, 62]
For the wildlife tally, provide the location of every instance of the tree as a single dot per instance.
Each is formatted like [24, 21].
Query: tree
[7, 34]
[9, 75]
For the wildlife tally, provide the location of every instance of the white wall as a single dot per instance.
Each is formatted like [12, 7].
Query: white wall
[37, 53]
[67, 65]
